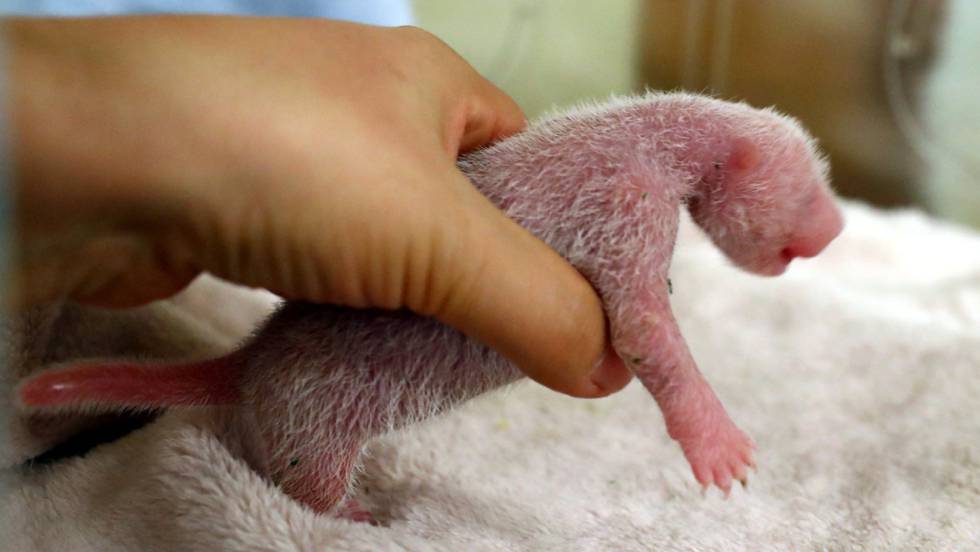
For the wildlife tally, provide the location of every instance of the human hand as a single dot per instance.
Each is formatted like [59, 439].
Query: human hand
[312, 158]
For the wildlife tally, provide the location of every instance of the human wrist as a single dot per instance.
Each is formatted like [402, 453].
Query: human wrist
[83, 150]
[82, 189]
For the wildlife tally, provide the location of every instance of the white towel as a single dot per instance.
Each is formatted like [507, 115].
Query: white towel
[857, 374]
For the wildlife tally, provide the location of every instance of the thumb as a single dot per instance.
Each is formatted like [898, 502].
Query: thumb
[516, 295]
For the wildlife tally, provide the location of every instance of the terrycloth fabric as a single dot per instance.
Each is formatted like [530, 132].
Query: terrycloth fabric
[857, 373]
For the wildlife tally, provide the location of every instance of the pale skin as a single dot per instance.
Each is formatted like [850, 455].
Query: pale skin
[312, 158]
[319, 382]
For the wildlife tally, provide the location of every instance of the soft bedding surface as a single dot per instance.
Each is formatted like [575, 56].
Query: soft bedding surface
[857, 374]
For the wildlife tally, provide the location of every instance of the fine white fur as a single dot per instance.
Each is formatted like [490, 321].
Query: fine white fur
[856, 372]
[603, 186]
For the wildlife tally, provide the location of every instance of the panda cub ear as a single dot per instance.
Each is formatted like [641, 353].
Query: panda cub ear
[744, 157]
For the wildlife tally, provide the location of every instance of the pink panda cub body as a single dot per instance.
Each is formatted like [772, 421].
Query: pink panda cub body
[602, 185]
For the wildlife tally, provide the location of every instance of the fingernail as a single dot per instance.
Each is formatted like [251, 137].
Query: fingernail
[607, 373]
[602, 378]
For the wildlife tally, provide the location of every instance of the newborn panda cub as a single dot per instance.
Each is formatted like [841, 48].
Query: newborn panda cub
[602, 186]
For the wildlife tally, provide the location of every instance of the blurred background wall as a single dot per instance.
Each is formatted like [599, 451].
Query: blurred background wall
[543, 52]
[890, 87]
[820, 61]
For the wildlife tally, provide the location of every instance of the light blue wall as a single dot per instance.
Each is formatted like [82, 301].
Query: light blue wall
[378, 12]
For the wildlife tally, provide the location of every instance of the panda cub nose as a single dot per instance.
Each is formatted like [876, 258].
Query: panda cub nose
[824, 224]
